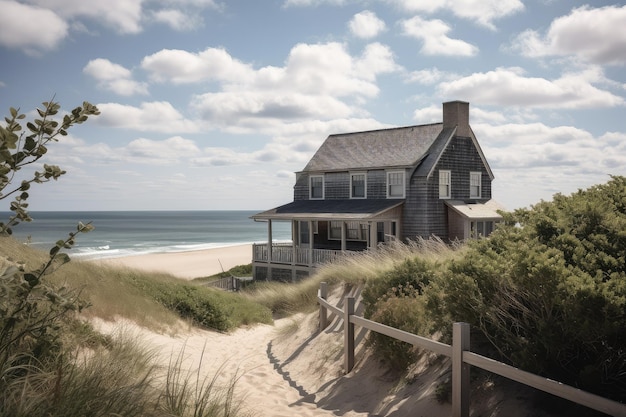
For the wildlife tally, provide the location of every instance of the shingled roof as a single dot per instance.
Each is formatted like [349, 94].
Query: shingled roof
[326, 209]
[396, 147]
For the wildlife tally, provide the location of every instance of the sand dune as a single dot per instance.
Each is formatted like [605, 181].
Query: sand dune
[291, 368]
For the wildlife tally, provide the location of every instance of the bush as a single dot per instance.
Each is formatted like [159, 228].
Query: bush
[402, 308]
[413, 272]
[395, 299]
[548, 289]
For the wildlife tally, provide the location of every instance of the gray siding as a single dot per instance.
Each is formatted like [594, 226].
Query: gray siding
[301, 189]
[336, 186]
[415, 216]
[425, 214]
[461, 157]
[377, 184]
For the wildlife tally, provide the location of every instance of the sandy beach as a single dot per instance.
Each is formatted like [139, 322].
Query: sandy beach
[188, 265]
[291, 368]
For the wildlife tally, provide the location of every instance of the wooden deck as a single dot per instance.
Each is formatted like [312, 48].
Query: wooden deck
[287, 254]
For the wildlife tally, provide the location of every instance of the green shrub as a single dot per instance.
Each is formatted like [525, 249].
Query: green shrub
[207, 307]
[412, 272]
[395, 299]
[402, 308]
[548, 289]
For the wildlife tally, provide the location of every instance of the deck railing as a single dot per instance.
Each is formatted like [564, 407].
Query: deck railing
[283, 253]
[462, 358]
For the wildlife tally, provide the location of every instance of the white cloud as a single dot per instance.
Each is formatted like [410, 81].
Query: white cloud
[433, 34]
[243, 108]
[40, 25]
[543, 160]
[366, 25]
[426, 76]
[122, 15]
[177, 20]
[315, 82]
[431, 114]
[483, 12]
[114, 77]
[30, 28]
[180, 67]
[314, 3]
[592, 35]
[164, 152]
[157, 116]
[508, 86]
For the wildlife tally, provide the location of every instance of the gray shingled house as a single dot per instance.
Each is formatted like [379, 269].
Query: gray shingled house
[365, 188]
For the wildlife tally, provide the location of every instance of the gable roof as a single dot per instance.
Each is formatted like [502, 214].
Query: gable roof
[388, 148]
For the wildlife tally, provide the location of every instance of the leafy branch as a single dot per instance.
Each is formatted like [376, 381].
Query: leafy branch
[19, 149]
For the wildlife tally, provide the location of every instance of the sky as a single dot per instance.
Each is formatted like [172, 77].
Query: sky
[213, 105]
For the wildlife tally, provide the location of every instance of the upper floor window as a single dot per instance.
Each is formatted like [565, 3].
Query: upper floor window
[316, 187]
[358, 185]
[475, 185]
[395, 184]
[444, 184]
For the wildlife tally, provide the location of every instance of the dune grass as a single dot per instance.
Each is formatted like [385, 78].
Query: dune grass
[154, 300]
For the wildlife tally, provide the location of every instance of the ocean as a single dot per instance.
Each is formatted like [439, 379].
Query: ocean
[127, 233]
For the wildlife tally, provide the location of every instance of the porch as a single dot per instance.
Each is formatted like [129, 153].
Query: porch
[288, 254]
[322, 231]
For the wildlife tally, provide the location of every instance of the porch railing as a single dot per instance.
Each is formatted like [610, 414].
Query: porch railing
[283, 253]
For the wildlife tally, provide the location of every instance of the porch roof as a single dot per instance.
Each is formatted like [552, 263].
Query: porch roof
[476, 211]
[329, 210]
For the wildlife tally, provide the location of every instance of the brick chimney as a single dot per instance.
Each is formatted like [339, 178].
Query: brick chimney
[456, 114]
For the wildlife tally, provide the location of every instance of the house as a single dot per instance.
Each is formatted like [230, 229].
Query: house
[365, 188]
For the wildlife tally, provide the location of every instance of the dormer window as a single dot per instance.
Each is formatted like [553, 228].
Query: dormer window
[475, 185]
[358, 185]
[316, 187]
[395, 184]
[444, 184]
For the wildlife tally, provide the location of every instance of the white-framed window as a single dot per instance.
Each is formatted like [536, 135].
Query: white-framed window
[445, 183]
[354, 230]
[475, 185]
[358, 185]
[480, 229]
[316, 187]
[395, 184]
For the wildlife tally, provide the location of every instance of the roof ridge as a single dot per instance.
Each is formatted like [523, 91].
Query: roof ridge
[385, 129]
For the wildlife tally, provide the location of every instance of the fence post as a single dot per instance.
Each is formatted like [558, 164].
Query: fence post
[460, 370]
[348, 335]
[323, 312]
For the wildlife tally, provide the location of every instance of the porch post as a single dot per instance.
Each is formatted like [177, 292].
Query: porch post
[269, 241]
[295, 239]
[311, 243]
[373, 235]
[343, 236]
[269, 249]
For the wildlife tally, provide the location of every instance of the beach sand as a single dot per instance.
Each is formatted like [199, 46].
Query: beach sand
[291, 368]
[188, 265]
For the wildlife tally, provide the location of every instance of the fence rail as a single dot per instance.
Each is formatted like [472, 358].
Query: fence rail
[462, 358]
[230, 283]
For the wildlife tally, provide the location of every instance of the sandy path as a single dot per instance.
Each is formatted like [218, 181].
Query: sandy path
[265, 387]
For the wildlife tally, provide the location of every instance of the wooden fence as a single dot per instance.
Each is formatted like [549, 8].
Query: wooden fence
[462, 358]
[230, 283]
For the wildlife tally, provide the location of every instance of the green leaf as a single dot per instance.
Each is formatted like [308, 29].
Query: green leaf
[32, 279]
